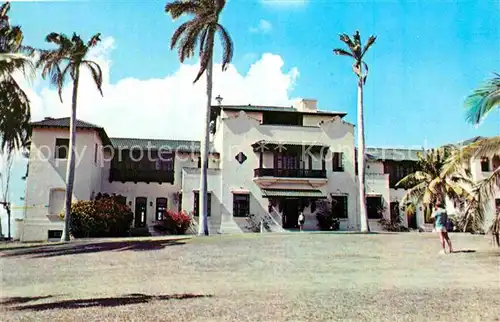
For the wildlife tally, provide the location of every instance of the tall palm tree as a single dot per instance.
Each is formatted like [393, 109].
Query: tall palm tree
[14, 103]
[59, 64]
[201, 29]
[357, 52]
[428, 184]
[483, 100]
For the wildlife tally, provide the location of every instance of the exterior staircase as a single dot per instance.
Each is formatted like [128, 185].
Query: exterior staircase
[275, 221]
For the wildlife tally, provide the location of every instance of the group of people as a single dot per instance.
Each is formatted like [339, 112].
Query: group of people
[441, 222]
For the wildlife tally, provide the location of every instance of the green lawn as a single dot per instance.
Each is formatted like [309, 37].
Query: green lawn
[254, 277]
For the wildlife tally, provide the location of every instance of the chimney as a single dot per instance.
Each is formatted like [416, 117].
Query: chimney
[307, 105]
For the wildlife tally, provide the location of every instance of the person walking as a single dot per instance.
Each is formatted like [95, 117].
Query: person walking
[440, 222]
[301, 220]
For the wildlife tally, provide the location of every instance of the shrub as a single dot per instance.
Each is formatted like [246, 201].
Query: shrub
[174, 223]
[253, 223]
[326, 219]
[396, 225]
[104, 217]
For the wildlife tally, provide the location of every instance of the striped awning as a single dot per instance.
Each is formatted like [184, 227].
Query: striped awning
[266, 193]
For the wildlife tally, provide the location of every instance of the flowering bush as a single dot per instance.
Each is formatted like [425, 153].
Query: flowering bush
[103, 217]
[174, 222]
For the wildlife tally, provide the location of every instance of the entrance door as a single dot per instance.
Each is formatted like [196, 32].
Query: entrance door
[411, 217]
[140, 212]
[394, 211]
[290, 213]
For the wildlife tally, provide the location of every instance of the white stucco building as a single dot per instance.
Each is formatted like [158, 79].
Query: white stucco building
[267, 161]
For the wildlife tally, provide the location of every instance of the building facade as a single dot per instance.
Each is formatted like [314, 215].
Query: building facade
[272, 162]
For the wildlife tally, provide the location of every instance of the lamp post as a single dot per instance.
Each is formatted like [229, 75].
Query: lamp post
[219, 99]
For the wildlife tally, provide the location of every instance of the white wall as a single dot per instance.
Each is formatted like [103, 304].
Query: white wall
[46, 173]
[239, 132]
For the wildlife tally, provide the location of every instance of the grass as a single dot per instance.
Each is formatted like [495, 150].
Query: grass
[253, 277]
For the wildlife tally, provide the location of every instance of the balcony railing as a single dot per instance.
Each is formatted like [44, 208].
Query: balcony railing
[138, 175]
[289, 173]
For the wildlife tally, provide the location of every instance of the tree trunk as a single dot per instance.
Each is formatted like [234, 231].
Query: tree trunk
[7, 209]
[204, 149]
[361, 158]
[70, 170]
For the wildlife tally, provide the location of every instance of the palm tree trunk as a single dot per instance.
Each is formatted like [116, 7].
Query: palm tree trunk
[361, 159]
[7, 209]
[203, 219]
[70, 170]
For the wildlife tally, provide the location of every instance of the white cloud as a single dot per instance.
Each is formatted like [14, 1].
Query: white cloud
[264, 26]
[169, 107]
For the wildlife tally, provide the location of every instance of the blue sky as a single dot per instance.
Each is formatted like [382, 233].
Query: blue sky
[428, 56]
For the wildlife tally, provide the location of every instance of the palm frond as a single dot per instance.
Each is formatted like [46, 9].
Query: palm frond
[342, 52]
[207, 53]
[94, 40]
[488, 147]
[227, 45]
[347, 40]
[415, 193]
[490, 185]
[96, 72]
[179, 8]
[483, 100]
[369, 43]
[178, 33]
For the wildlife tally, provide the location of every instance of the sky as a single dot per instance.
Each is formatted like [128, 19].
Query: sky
[427, 58]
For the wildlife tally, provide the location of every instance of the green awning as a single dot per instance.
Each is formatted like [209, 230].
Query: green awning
[266, 193]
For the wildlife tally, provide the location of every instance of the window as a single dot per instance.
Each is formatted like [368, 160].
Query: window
[95, 154]
[337, 162]
[241, 205]
[62, 148]
[161, 208]
[197, 203]
[121, 199]
[179, 203]
[485, 164]
[199, 162]
[164, 161]
[54, 234]
[56, 201]
[286, 161]
[339, 206]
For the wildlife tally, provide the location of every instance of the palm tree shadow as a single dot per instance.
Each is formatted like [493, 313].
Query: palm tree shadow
[22, 299]
[85, 248]
[105, 302]
[464, 251]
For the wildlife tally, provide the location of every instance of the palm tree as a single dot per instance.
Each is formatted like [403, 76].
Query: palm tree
[429, 184]
[67, 60]
[483, 100]
[201, 28]
[357, 52]
[14, 103]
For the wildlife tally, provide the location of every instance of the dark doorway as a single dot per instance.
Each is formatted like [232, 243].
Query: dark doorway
[373, 207]
[411, 217]
[141, 204]
[290, 213]
[394, 211]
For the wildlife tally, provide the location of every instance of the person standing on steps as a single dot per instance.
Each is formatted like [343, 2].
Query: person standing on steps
[301, 220]
[440, 221]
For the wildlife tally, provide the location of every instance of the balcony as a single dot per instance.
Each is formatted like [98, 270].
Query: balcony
[265, 177]
[289, 173]
[140, 175]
